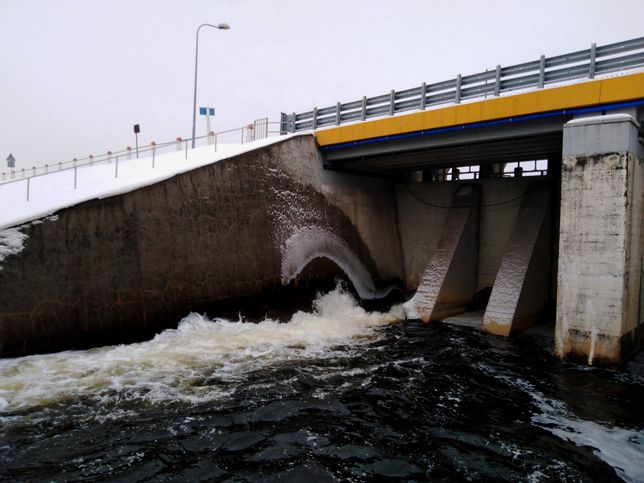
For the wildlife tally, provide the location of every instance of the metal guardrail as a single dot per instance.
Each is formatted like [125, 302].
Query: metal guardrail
[259, 129]
[587, 63]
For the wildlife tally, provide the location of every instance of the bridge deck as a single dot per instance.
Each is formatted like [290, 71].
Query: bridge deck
[600, 92]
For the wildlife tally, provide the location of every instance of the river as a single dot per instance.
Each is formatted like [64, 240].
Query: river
[335, 394]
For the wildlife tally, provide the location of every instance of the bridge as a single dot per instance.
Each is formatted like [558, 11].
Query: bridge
[517, 192]
[524, 241]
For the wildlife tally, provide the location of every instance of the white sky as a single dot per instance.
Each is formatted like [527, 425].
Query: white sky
[75, 75]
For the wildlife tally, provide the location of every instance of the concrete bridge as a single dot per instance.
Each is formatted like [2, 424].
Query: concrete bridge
[528, 205]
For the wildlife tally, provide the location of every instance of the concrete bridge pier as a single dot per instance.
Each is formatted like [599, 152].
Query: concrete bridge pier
[599, 296]
[520, 288]
[448, 281]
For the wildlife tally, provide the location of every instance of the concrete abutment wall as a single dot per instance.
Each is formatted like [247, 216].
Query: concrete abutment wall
[123, 268]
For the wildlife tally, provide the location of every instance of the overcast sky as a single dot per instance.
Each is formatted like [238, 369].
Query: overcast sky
[75, 75]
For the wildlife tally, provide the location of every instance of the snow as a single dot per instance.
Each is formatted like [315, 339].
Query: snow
[618, 117]
[55, 191]
[11, 242]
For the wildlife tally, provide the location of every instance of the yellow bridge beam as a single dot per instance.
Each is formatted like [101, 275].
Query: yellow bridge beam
[604, 91]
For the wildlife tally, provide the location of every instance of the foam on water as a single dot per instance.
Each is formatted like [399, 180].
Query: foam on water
[172, 365]
[621, 448]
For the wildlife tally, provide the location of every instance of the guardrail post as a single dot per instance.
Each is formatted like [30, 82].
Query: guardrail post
[91, 159]
[497, 81]
[392, 102]
[364, 108]
[315, 118]
[338, 108]
[178, 141]
[33, 171]
[542, 71]
[186, 149]
[593, 55]
[242, 135]
[457, 97]
[116, 168]
[423, 96]
[154, 151]
[293, 122]
[46, 168]
[109, 157]
[129, 152]
[215, 143]
[211, 138]
[28, 180]
[60, 165]
[75, 176]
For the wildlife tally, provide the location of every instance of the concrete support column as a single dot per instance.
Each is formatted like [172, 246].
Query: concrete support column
[599, 296]
[521, 286]
[449, 280]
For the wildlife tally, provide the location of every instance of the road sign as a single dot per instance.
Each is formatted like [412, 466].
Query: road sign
[137, 130]
[11, 161]
[207, 111]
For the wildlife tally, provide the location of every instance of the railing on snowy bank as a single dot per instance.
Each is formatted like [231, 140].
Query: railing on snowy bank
[259, 129]
[536, 74]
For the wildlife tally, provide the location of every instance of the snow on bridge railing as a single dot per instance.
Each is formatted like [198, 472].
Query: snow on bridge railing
[259, 129]
[587, 63]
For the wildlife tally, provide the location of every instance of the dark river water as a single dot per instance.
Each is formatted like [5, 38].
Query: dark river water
[337, 394]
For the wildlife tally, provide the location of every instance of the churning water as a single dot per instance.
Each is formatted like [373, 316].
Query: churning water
[335, 394]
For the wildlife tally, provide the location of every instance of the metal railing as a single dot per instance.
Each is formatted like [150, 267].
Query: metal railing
[587, 63]
[259, 129]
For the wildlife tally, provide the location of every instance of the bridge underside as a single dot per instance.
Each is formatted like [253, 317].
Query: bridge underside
[526, 141]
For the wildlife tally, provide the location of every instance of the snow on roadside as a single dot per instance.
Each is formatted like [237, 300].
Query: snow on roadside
[55, 191]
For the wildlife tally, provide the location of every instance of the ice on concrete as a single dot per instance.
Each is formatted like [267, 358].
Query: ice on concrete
[55, 191]
[12, 240]
[308, 243]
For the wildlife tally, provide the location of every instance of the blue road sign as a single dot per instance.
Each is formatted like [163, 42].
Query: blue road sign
[202, 111]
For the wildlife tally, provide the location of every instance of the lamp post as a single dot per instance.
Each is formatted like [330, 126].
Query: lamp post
[220, 26]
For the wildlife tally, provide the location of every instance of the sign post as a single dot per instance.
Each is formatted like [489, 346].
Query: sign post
[137, 130]
[207, 111]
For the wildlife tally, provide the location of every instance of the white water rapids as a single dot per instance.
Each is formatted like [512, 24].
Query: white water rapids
[170, 366]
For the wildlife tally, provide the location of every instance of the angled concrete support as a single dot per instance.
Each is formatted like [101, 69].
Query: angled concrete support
[521, 286]
[599, 296]
[449, 280]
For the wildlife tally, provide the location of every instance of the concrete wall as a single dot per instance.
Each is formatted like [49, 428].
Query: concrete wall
[421, 224]
[599, 315]
[125, 267]
[450, 255]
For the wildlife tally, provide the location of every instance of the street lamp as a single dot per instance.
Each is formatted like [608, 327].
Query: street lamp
[220, 26]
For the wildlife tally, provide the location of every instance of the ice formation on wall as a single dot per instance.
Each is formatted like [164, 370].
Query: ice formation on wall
[12, 240]
[309, 243]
